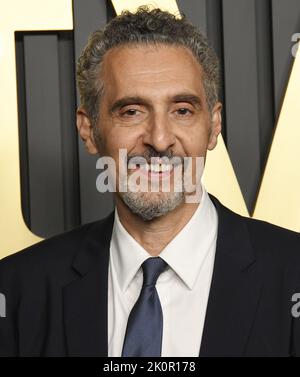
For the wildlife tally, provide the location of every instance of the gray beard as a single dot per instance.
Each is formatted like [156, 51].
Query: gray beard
[149, 209]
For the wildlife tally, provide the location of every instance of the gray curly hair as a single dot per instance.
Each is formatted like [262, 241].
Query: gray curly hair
[145, 26]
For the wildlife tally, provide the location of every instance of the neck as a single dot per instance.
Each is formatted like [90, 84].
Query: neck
[154, 235]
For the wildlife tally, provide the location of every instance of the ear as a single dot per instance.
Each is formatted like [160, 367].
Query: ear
[216, 126]
[85, 129]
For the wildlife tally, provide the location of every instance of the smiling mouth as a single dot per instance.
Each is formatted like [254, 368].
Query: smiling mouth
[155, 170]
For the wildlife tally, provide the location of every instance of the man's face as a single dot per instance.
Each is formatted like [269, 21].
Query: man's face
[154, 105]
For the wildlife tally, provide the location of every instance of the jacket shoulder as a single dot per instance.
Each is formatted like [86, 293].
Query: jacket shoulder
[271, 233]
[55, 250]
[270, 242]
[274, 242]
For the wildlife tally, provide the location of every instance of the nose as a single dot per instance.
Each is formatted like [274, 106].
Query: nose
[159, 133]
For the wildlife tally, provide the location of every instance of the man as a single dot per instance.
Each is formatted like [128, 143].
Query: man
[162, 275]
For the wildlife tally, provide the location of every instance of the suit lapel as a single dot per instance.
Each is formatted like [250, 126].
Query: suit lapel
[235, 288]
[85, 298]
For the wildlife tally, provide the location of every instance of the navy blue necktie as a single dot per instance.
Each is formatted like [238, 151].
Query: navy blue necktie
[145, 323]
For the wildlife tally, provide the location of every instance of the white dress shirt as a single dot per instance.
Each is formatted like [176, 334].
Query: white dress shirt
[183, 288]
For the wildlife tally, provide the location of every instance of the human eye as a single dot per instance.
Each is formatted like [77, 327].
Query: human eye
[130, 113]
[183, 111]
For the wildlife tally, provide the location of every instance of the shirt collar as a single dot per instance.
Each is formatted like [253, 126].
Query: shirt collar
[127, 254]
[185, 253]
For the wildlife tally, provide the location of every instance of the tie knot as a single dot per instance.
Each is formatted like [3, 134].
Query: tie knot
[152, 268]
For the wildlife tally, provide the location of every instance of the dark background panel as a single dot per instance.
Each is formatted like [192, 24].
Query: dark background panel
[247, 67]
[265, 86]
[43, 130]
[48, 149]
[285, 20]
[67, 90]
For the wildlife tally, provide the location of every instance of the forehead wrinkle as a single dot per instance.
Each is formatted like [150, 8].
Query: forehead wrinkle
[169, 75]
[151, 71]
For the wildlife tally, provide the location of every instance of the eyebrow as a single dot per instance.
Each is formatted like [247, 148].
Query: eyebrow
[129, 100]
[195, 100]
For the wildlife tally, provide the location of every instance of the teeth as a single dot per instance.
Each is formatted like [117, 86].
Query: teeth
[159, 167]
[156, 168]
[166, 167]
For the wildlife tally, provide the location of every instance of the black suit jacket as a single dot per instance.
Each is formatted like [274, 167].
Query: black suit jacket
[56, 292]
